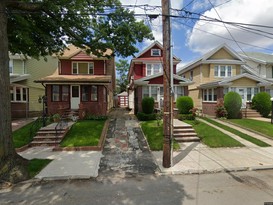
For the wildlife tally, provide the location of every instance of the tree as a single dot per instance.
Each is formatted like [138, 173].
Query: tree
[122, 68]
[43, 27]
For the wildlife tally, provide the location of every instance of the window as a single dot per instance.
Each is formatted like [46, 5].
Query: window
[55, 93]
[154, 92]
[209, 95]
[60, 93]
[94, 93]
[155, 52]
[222, 71]
[145, 91]
[249, 94]
[18, 94]
[152, 69]
[85, 93]
[191, 75]
[83, 68]
[65, 93]
[10, 66]
[179, 91]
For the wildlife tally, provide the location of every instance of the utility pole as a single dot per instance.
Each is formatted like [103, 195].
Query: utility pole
[167, 107]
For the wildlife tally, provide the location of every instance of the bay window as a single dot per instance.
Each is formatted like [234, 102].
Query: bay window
[18, 94]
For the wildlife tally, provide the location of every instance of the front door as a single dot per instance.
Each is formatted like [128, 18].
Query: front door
[75, 96]
[243, 93]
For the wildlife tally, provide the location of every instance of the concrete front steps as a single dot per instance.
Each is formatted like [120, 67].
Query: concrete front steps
[250, 113]
[47, 136]
[183, 132]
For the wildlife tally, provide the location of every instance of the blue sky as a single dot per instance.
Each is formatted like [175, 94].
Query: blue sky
[193, 37]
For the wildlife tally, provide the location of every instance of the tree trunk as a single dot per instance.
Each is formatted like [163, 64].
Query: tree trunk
[12, 166]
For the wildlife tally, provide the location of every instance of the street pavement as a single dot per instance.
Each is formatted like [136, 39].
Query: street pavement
[126, 153]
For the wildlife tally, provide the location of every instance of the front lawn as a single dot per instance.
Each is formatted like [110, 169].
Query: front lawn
[36, 165]
[256, 125]
[25, 134]
[84, 133]
[213, 137]
[154, 135]
[238, 133]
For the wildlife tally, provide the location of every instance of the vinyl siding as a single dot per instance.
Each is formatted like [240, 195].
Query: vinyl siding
[18, 66]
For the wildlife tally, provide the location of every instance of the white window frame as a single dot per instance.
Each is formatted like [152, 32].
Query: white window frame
[206, 92]
[11, 66]
[152, 68]
[217, 71]
[155, 52]
[21, 94]
[77, 67]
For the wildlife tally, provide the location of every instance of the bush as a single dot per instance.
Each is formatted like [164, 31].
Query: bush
[148, 105]
[262, 103]
[146, 117]
[220, 109]
[233, 104]
[186, 117]
[184, 104]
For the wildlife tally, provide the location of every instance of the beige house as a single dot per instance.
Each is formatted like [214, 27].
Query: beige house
[218, 72]
[23, 91]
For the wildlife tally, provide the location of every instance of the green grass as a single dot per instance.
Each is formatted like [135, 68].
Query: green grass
[84, 133]
[256, 125]
[154, 135]
[238, 133]
[213, 137]
[23, 136]
[36, 165]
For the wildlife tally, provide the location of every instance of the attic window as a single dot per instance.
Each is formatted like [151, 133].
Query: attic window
[155, 52]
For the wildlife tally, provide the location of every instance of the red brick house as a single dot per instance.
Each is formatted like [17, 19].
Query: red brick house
[81, 81]
[146, 77]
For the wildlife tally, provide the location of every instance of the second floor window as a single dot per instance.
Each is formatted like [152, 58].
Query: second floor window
[155, 52]
[152, 69]
[222, 71]
[83, 68]
[10, 66]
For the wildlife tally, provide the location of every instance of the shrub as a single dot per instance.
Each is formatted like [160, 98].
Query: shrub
[186, 117]
[184, 104]
[233, 104]
[146, 117]
[220, 109]
[262, 103]
[148, 105]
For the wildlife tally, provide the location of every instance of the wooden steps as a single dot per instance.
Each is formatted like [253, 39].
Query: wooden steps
[183, 132]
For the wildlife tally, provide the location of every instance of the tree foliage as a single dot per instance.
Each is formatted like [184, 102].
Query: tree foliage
[43, 27]
[122, 67]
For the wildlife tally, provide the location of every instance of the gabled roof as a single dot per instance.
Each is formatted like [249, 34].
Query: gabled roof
[205, 59]
[263, 58]
[145, 80]
[83, 79]
[151, 46]
[72, 51]
[228, 81]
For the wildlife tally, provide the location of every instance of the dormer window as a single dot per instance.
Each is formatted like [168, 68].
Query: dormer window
[83, 68]
[155, 52]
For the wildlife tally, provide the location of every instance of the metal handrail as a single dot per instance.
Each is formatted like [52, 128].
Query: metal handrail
[61, 124]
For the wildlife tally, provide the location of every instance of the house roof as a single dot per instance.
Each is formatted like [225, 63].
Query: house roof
[205, 59]
[146, 79]
[72, 51]
[228, 81]
[258, 57]
[83, 79]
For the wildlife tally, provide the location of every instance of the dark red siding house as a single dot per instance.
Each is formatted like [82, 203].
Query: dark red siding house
[82, 82]
[146, 78]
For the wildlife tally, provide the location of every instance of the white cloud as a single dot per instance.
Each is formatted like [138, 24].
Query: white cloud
[243, 11]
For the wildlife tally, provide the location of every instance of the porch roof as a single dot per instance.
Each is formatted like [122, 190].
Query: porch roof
[228, 81]
[86, 79]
